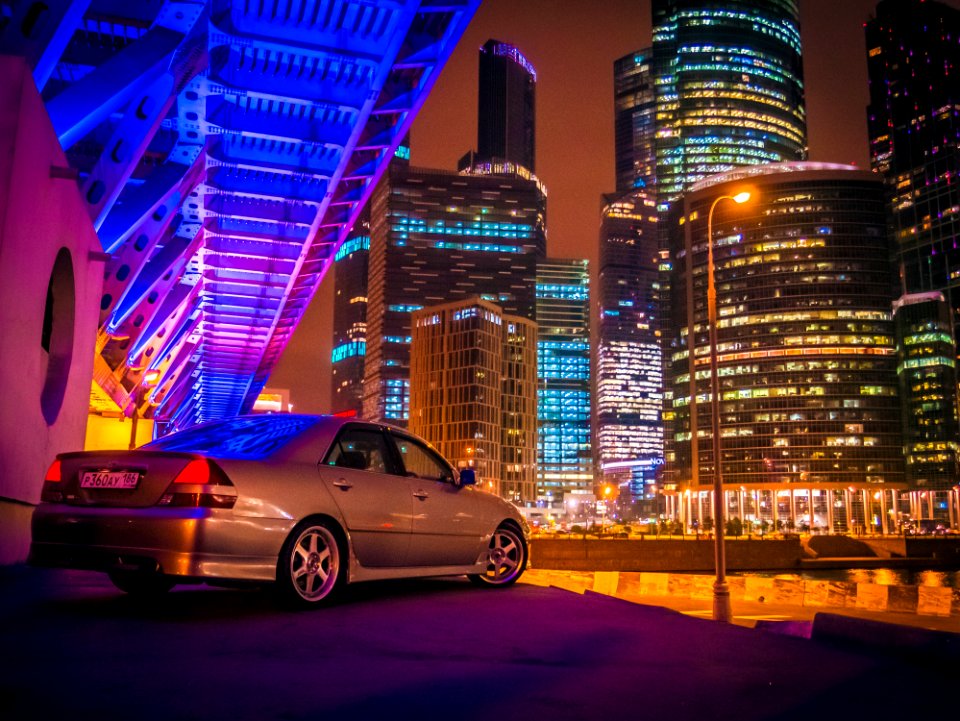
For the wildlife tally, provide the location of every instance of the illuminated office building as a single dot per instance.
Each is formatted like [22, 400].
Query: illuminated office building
[629, 378]
[808, 404]
[729, 86]
[627, 365]
[913, 63]
[350, 321]
[564, 453]
[350, 310]
[506, 112]
[635, 107]
[473, 392]
[926, 367]
[436, 237]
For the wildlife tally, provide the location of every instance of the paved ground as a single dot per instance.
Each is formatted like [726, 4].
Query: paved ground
[71, 647]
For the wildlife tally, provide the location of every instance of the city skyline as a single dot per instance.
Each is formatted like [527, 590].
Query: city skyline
[574, 66]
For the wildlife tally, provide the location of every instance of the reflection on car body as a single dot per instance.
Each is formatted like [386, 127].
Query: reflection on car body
[308, 502]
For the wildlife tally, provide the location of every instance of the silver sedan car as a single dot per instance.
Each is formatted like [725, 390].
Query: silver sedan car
[310, 503]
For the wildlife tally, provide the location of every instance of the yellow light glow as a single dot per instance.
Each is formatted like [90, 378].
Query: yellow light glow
[741, 197]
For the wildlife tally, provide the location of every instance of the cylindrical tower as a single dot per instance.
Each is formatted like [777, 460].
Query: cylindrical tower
[729, 85]
[805, 349]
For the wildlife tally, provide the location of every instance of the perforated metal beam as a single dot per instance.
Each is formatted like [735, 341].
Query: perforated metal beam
[224, 149]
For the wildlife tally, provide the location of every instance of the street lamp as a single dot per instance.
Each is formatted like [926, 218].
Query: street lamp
[147, 381]
[721, 591]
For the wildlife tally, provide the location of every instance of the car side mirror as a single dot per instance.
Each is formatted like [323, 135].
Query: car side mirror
[468, 477]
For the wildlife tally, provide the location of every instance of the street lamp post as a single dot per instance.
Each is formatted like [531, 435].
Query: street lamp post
[721, 591]
[147, 381]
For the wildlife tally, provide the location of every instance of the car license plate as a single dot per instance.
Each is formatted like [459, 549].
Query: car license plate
[109, 479]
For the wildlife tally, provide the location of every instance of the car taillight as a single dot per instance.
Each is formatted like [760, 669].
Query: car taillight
[201, 484]
[197, 471]
[51, 493]
[53, 473]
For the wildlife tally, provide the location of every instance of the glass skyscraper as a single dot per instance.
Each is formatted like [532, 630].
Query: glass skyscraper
[629, 378]
[913, 62]
[438, 236]
[729, 87]
[926, 367]
[506, 115]
[628, 362]
[635, 109]
[564, 450]
[350, 321]
[808, 406]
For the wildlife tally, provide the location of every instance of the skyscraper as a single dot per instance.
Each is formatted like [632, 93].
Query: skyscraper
[564, 453]
[506, 119]
[926, 367]
[350, 310]
[438, 236]
[629, 378]
[808, 407]
[628, 362]
[635, 107]
[729, 86]
[473, 392]
[913, 62]
[350, 321]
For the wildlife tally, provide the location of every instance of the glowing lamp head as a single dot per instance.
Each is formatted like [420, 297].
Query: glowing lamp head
[741, 197]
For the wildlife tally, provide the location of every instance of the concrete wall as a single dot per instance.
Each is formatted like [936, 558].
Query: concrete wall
[45, 234]
[923, 600]
[661, 555]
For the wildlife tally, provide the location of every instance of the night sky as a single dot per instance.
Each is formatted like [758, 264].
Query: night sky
[572, 44]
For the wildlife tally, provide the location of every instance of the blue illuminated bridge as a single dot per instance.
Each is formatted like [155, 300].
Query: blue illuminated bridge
[223, 149]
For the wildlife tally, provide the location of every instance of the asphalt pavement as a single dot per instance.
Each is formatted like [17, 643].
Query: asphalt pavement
[72, 647]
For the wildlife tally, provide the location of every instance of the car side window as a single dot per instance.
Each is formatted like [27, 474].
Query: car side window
[420, 461]
[362, 449]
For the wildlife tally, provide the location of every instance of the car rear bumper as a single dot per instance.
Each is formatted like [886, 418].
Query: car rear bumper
[197, 543]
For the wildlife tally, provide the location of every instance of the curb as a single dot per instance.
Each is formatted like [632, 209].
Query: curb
[888, 638]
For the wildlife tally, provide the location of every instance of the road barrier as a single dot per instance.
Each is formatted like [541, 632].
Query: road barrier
[922, 600]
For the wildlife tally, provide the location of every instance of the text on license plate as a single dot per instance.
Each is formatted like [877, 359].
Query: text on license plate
[109, 479]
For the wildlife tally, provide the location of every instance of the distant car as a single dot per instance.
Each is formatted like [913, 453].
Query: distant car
[310, 503]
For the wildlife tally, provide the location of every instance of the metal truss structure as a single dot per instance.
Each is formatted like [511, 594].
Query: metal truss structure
[224, 148]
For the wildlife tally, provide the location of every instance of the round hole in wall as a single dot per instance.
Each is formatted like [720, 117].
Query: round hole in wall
[56, 338]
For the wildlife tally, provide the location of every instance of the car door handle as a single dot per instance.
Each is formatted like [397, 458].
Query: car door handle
[343, 484]
[421, 494]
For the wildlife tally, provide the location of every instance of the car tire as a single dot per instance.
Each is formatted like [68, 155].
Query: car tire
[506, 559]
[312, 568]
[141, 583]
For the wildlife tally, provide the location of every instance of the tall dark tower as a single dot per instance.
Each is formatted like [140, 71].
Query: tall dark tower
[913, 63]
[729, 82]
[635, 110]
[506, 121]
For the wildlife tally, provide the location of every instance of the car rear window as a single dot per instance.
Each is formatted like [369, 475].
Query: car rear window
[244, 437]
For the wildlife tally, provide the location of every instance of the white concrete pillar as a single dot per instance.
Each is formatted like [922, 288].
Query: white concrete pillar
[848, 509]
[776, 508]
[830, 500]
[884, 519]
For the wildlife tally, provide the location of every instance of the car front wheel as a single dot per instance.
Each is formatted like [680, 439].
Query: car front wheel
[311, 568]
[506, 559]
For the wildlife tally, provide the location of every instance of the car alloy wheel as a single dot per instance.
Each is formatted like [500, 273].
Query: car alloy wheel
[310, 565]
[506, 558]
